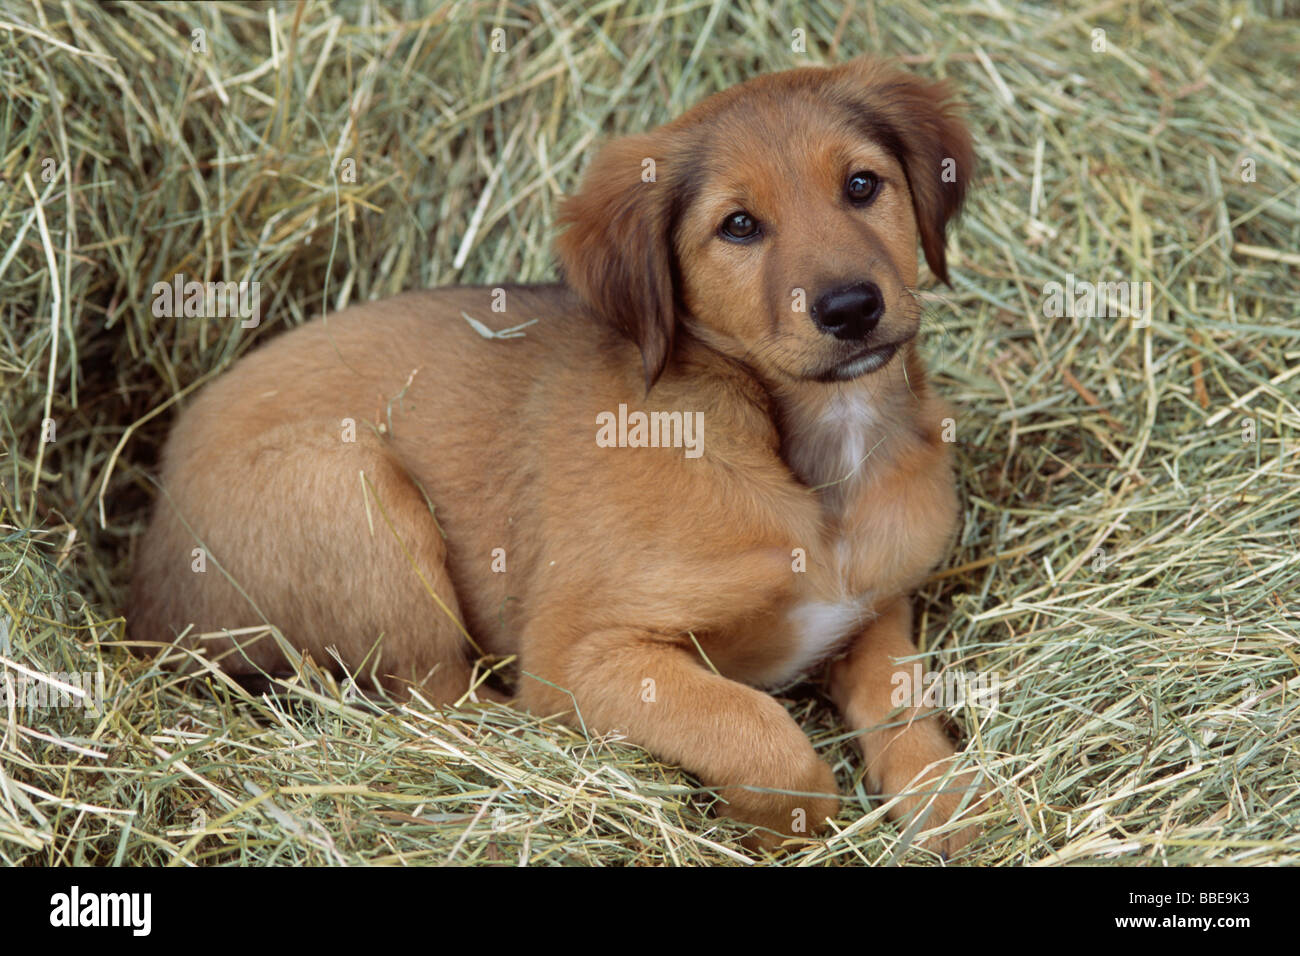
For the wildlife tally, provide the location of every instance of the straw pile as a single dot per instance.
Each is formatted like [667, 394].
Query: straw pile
[1129, 560]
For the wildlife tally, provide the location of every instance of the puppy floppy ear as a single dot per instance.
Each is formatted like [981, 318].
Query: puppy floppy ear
[920, 124]
[617, 252]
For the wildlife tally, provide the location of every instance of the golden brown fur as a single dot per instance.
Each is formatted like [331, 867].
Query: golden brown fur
[618, 559]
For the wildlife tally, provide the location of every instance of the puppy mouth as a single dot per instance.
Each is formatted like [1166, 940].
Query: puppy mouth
[860, 363]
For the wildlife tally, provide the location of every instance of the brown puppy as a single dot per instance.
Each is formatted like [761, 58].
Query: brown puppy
[393, 485]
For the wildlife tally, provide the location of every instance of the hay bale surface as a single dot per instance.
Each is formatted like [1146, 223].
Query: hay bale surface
[1129, 558]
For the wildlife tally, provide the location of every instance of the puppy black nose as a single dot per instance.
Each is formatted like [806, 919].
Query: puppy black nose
[849, 312]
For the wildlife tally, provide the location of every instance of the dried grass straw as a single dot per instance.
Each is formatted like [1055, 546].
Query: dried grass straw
[1128, 564]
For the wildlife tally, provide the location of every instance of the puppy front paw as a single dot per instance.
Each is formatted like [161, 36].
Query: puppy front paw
[812, 798]
[933, 795]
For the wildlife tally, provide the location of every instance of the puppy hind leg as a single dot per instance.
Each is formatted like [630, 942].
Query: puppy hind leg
[324, 537]
[398, 614]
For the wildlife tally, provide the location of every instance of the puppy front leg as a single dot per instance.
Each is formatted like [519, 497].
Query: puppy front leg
[899, 745]
[658, 692]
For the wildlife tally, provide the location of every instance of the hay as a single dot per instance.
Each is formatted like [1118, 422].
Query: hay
[1128, 566]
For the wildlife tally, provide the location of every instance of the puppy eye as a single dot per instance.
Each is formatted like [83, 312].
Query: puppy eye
[862, 188]
[739, 227]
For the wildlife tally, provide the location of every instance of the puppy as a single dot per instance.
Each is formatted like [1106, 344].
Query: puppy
[710, 464]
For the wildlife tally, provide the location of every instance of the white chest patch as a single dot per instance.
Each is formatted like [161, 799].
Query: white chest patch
[834, 444]
[849, 419]
[819, 627]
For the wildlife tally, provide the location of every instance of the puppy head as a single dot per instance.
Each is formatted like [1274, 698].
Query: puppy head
[777, 220]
